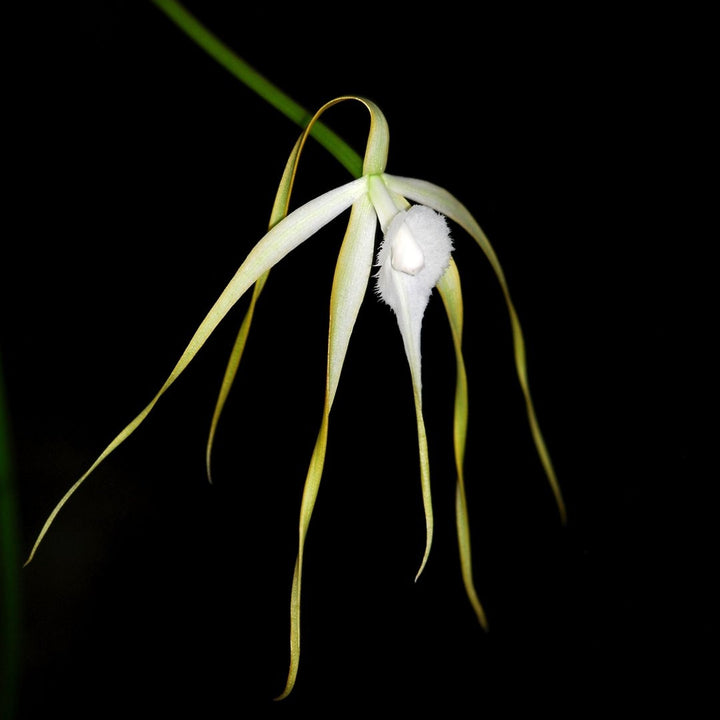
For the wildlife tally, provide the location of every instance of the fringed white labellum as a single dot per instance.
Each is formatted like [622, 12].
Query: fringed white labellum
[413, 256]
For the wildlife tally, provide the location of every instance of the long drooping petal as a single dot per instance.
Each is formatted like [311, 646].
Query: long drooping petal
[441, 200]
[408, 308]
[451, 294]
[279, 211]
[352, 273]
[373, 163]
[232, 368]
[413, 256]
[278, 242]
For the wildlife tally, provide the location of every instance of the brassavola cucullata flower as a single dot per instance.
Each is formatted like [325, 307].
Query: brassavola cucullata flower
[414, 258]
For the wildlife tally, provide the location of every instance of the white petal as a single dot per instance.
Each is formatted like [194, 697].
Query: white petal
[413, 257]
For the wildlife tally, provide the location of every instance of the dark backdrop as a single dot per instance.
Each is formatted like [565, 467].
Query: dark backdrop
[142, 173]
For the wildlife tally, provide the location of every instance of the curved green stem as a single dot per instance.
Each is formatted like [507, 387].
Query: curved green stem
[259, 84]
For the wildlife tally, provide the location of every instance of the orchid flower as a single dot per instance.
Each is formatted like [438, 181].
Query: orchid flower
[413, 259]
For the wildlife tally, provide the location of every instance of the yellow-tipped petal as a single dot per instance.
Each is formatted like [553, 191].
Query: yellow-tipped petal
[231, 369]
[352, 274]
[451, 293]
[312, 485]
[424, 476]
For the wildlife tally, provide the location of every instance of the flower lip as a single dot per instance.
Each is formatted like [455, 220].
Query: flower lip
[417, 242]
[415, 252]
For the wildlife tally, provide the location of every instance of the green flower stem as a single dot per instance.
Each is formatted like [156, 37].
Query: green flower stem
[261, 85]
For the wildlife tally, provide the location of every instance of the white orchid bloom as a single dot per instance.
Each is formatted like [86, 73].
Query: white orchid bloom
[414, 258]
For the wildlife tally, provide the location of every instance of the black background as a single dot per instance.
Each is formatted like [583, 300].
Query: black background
[142, 173]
